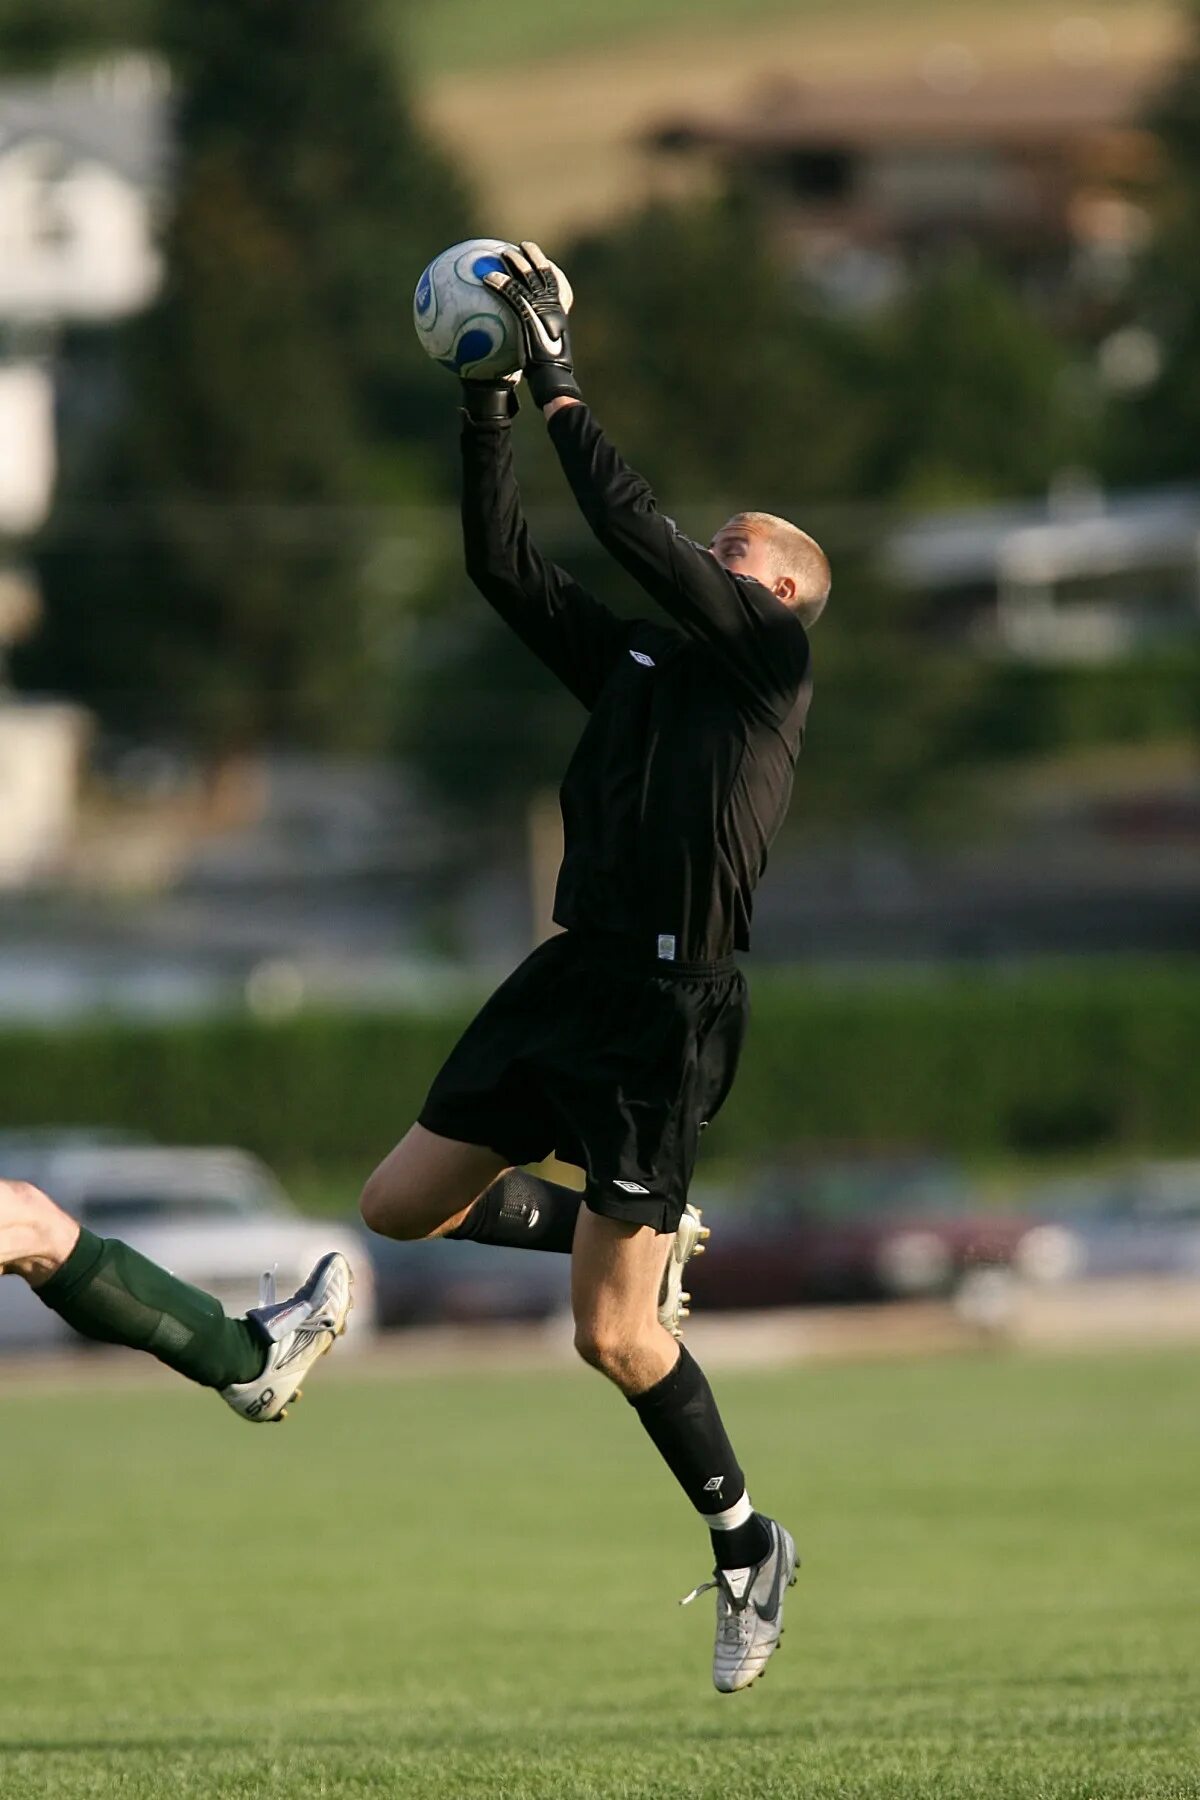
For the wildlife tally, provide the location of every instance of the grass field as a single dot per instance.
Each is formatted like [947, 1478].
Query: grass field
[478, 34]
[466, 1588]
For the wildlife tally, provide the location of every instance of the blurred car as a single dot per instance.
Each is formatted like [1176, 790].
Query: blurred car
[216, 1217]
[461, 1282]
[1142, 1220]
[856, 1230]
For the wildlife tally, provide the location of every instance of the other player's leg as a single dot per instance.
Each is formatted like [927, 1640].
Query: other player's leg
[616, 1274]
[112, 1294]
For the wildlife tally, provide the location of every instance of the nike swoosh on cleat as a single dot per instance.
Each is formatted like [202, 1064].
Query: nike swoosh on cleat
[772, 1607]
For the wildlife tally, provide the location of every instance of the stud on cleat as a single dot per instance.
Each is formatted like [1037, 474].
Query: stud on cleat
[672, 1298]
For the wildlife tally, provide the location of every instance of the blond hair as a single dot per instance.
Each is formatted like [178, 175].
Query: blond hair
[796, 555]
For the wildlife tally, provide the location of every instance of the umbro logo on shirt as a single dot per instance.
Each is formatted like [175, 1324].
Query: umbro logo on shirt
[639, 656]
[631, 1187]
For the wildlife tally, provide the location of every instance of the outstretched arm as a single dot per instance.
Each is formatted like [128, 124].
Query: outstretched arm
[758, 638]
[577, 638]
[755, 635]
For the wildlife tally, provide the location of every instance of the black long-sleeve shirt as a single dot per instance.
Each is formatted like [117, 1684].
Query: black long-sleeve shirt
[683, 773]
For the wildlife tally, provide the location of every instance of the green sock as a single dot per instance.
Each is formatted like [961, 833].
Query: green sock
[110, 1293]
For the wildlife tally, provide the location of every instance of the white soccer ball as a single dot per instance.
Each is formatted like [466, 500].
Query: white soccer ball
[461, 323]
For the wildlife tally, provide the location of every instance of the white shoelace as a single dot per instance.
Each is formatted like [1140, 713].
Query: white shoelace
[697, 1591]
[734, 1623]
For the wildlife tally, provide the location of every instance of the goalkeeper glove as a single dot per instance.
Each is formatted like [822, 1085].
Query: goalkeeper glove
[491, 402]
[540, 296]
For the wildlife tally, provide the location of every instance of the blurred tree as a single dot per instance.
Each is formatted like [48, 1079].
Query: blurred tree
[723, 375]
[976, 396]
[34, 33]
[208, 566]
[1155, 430]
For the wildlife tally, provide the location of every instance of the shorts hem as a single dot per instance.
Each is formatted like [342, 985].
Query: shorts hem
[445, 1126]
[662, 1216]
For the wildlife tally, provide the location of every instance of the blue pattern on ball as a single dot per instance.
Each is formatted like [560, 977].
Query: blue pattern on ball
[424, 296]
[487, 265]
[472, 347]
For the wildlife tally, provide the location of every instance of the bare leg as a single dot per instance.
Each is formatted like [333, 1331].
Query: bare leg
[615, 1273]
[36, 1236]
[427, 1185]
[616, 1270]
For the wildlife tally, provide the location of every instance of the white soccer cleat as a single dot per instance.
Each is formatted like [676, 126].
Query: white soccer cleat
[750, 1612]
[689, 1241]
[301, 1330]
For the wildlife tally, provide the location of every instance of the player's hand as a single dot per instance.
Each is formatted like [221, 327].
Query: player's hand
[491, 402]
[540, 298]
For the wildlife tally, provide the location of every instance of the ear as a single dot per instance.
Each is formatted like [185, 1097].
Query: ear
[785, 589]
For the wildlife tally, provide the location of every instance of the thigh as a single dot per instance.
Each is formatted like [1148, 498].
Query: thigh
[486, 1091]
[426, 1184]
[616, 1271]
[635, 1102]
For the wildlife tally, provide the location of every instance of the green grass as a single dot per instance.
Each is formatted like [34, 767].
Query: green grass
[469, 34]
[463, 1587]
[479, 34]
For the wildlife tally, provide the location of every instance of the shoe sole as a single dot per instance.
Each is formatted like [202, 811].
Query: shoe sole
[674, 1321]
[337, 1332]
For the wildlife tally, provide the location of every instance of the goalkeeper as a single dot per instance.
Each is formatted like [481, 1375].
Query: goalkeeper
[617, 1041]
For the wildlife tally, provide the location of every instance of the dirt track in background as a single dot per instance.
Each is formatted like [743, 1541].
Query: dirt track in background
[553, 147]
[1072, 1318]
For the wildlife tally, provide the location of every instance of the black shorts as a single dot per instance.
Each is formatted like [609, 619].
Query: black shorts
[614, 1061]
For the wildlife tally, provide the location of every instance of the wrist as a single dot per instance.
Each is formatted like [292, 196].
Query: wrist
[489, 402]
[560, 404]
[551, 381]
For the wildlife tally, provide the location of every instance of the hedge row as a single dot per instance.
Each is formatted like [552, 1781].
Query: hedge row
[1099, 1056]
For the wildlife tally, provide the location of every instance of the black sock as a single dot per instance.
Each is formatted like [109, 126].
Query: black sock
[111, 1293]
[742, 1547]
[681, 1416]
[523, 1212]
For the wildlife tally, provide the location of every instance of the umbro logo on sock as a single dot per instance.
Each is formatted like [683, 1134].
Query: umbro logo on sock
[631, 1187]
[639, 656]
[713, 1484]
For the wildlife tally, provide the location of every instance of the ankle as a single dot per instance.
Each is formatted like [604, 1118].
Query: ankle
[36, 1236]
[743, 1547]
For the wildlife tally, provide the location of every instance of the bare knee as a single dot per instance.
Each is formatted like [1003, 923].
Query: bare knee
[384, 1211]
[426, 1185]
[611, 1348]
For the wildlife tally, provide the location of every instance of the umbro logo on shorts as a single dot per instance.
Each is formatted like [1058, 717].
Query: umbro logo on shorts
[631, 1187]
[639, 656]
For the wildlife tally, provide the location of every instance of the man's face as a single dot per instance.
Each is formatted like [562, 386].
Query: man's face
[743, 551]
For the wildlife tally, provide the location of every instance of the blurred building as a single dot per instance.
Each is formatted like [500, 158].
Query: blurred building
[83, 161]
[1048, 170]
[1079, 577]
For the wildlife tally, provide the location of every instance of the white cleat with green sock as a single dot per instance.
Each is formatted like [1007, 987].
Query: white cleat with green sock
[299, 1332]
[750, 1612]
[689, 1241]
